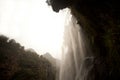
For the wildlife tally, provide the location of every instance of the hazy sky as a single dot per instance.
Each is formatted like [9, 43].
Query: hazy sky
[33, 24]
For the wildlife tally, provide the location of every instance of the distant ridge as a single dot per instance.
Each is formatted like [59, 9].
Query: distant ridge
[55, 62]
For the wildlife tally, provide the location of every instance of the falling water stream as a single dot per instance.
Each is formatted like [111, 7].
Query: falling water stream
[77, 58]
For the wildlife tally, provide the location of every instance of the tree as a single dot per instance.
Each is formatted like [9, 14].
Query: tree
[16, 63]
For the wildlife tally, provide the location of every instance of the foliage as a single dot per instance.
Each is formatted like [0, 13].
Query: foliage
[16, 63]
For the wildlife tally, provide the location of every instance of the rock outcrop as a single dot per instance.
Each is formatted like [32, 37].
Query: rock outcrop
[100, 20]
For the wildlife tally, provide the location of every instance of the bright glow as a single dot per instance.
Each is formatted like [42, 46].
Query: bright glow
[33, 24]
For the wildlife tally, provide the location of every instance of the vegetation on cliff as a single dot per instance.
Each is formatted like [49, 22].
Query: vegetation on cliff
[16, 63]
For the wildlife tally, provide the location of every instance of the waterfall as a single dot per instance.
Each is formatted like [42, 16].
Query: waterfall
[77, 59]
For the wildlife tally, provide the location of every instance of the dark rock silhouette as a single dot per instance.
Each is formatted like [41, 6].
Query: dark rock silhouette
[100, 20]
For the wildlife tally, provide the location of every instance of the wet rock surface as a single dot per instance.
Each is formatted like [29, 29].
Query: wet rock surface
[100, 19]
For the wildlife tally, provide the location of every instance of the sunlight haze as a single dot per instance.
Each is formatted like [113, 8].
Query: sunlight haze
[33, 24]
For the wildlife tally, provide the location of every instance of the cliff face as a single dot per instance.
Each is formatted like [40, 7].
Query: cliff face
[100, 20]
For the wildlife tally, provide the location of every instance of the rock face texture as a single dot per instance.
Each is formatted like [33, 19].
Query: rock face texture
[100, 20]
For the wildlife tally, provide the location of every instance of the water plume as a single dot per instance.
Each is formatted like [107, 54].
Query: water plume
[77, 58]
